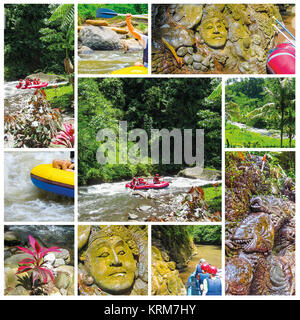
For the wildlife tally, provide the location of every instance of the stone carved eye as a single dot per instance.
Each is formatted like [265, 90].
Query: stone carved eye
[104, 254]
[121, 252]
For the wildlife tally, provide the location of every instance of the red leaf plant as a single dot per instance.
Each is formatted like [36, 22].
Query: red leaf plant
[66, 137]
[35, 264]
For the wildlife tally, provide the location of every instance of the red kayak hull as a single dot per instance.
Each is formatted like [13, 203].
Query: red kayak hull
[162, 185]
[282, 59]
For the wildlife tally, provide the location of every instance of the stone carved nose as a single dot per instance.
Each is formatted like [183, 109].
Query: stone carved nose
[115, 262]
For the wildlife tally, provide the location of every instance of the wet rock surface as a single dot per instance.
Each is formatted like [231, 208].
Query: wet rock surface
[220, 38]
[260, 228]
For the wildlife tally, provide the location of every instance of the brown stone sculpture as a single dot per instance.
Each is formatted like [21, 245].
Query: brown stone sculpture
[113, 260]
[208, 38]
[260, 230]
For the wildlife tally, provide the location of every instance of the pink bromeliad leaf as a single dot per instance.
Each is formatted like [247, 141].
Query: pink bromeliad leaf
[26, 261]
[66, 137]
[23, 269]
[47, 250]
[37, 248]
[26, 251]
[44, 275]
[49, 273]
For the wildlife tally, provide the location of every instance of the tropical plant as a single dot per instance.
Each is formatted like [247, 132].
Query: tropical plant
[35, 125]
[36, 263]
[66, 137]
[65, 14]
[281, 96]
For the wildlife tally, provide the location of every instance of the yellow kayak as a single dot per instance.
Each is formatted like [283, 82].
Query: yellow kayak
[45, 177]
[131, 70]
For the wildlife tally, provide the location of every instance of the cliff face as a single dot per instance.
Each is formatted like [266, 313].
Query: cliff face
[174, 243]
[165, 277]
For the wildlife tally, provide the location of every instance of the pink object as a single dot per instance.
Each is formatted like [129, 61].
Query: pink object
[161, 185]
[282, 59]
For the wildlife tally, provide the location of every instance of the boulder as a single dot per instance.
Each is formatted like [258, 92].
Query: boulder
[200, 173]
[100, 38]
[85, 50]
[11, 238]
[46, 77]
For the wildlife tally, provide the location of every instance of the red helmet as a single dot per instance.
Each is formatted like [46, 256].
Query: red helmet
[157, 175]
[213, 270]
[205, 266]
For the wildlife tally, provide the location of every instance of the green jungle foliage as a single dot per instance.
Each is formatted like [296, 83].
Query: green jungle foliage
[183, 234]
[261, 103]
[145, 103]
[33, 43]
[88, 11]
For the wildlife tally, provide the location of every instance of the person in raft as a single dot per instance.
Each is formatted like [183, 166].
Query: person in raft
[203, 275]
[156, 179]
[212, 286]
[143, 40]
[134, 182]
[142, 181]
[67, 165]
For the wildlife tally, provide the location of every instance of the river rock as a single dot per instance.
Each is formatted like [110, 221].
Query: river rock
[64, 254]
[200, 173]
[11, 238]
[85, 50]
[46, 77]
[14, 259]
[133, 45]
[100, 38]
[59, 262]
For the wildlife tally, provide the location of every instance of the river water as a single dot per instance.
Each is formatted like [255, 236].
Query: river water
[103, 62]
[25, 202]
[211, 253]
[264, 132]
[114, 202]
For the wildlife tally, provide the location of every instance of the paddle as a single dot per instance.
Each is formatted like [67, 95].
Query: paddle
[108, 13]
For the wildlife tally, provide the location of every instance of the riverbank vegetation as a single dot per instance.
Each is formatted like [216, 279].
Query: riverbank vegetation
[256, 103]
[88, 11]
[146, 104]
[185, 234]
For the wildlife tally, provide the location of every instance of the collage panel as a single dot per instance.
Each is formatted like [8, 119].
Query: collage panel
[39, 186]
[260, 113]
[260, 223]
[39, 76]
[186, 260]
[39, 260]
[223, 38]
[113, 39]
[149, 149]
[113, 260]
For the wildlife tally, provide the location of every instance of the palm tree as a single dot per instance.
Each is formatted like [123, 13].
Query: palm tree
[281, 94]
[65, 14]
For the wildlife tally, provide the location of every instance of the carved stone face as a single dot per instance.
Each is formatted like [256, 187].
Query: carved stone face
[112, 264]
[213, 32]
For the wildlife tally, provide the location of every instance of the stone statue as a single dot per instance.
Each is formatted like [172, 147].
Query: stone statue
[213, 30]
[112, 261]
[213, 38]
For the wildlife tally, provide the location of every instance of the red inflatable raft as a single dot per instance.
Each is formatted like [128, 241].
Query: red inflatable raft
[31, 84]
[282, 59]
[161, 185]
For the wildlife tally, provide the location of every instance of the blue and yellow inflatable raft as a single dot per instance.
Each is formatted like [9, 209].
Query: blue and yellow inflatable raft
[50, 179]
